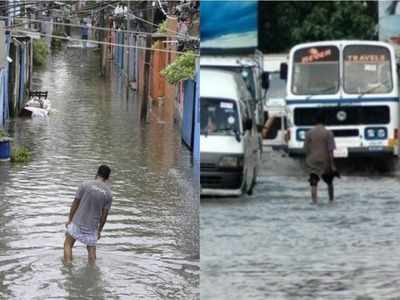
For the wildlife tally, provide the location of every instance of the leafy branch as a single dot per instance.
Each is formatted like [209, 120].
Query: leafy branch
[182, 68]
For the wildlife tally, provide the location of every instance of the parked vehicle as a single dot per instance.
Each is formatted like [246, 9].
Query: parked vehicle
[229, 150]
[275, 130]
[275, 113]
[355, 85]
[250, 67]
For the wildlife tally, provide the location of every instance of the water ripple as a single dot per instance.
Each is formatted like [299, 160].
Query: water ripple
[275, 245]
[149, 248]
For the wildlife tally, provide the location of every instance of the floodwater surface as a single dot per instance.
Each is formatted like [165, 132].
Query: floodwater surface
[276, 245]
[149, 246]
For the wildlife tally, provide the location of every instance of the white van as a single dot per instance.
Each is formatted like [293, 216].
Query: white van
[229, 151]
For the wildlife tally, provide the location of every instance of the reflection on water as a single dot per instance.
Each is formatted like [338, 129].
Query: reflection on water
[83, 278]
[275, 245]
[150, 245]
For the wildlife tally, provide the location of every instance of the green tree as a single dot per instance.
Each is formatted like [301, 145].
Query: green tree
[285, 24]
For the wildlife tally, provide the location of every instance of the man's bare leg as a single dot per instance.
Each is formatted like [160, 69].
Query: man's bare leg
[91, 254]
[68, 245]
[331, 192]
[314, 195]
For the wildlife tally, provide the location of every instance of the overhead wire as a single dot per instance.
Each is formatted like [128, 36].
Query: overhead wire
[96, 42]
[164, 12]
[96, 27]
[110, 29]
[149, 23]
[144, 20]
[14, 4]
[18, 16]
[155, 25]
[100, 7]
[18, 6]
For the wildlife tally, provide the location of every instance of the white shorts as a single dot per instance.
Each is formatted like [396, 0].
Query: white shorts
[87, 237]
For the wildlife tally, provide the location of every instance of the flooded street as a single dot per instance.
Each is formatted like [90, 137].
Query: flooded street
[149, 247]
[275, 245]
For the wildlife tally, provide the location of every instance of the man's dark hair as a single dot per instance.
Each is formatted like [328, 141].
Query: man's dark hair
[104, 172]
[320, 118]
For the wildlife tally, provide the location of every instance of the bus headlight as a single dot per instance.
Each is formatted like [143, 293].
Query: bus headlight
[370, 133]
[230, 162]
[379, 133]
[301, 134]
[382, 133]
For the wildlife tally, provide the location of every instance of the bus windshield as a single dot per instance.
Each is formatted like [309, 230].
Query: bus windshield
[316, 71]
[367, 69]
[218, 117]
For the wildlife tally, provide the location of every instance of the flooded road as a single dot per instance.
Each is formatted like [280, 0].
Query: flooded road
[149, 246]
[275, 245]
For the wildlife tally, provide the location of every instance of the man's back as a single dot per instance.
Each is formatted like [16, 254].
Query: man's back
[318, 147]
[94, 196]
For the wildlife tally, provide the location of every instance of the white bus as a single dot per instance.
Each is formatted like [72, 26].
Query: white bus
[355, 85]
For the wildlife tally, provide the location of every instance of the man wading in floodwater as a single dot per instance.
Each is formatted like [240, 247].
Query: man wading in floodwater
[84, 34]
[88, 214]
[318, 147]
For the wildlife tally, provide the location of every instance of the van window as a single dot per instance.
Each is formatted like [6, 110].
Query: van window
[218, 116]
